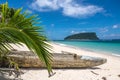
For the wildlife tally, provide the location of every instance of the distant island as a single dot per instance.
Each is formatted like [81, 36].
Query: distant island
[82, 36]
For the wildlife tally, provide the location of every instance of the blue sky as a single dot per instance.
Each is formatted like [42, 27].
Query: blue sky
[61, 18]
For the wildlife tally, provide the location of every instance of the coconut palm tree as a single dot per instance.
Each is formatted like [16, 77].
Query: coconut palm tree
[17, 28]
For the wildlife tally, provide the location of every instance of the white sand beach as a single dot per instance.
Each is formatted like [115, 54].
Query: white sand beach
[107, 71]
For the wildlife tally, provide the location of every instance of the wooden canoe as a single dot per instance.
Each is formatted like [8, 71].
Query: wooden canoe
[60, 60]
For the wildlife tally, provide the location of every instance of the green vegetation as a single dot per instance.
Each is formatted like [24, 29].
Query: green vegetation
[83, 36]
[20, 27]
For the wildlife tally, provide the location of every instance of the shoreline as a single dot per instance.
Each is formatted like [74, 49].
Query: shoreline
[85, 49]
[107, 71]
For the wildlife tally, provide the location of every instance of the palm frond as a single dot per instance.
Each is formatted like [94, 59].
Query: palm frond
[16, 27]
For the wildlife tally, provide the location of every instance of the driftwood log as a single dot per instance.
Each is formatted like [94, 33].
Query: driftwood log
[28, 59]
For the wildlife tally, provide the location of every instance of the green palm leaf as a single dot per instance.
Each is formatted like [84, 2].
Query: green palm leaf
[22, 28]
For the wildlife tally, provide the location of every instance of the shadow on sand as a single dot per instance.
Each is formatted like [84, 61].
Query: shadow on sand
[5, 74]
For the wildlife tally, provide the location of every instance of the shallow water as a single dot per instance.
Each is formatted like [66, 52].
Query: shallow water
[110, 47]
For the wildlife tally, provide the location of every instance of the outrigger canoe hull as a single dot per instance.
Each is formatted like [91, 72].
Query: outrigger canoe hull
[27, 59]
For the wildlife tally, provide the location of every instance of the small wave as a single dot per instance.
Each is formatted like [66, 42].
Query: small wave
[116, 55]
[59, 44]
[62, 44]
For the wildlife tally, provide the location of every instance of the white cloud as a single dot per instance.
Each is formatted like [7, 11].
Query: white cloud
[68, 7]
[74, 32]
[29, 11]
[116, 26]
[112, 35]
[83, 31]
[44, 5]
[103, 30]
[80, 11]
[52, 25]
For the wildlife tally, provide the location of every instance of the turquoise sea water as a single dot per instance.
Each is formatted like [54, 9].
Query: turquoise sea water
[110, 47]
